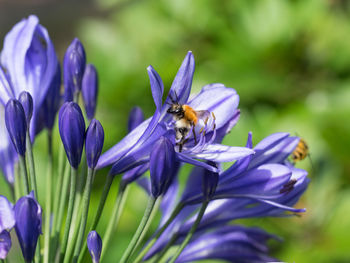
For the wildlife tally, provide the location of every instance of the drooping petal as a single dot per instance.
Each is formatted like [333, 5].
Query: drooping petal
[5, 244]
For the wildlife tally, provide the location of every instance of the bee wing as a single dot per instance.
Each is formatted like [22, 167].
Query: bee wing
[203, 115]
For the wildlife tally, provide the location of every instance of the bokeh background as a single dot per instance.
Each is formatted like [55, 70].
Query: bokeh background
[288, 60]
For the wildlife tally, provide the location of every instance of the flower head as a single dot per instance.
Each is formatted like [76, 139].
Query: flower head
[94, 143]
[16, 125]
[94, 244]
[73, 69]
[28, 225]
[72, 130]
[90, 90]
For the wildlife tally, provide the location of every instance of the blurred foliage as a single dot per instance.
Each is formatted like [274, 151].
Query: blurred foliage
[288, 60]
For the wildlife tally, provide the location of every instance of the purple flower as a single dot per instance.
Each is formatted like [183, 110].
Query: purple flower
[28, 225]
[28, 63]
[73, 69]
[90, 90]
[135, 148]
[209, 183]
[72, 130]
[94, 244]
[16, 125]
[249, 188]
[162, 166]
[7, 218]
[5, 244]
[27, 102]
[94, 143]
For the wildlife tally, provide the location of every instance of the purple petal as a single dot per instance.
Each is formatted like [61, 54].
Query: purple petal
[222, 153]
[220, 100]
[157, 87]
[7, 218]
[94, 244]
[6, 90]
[136, 117]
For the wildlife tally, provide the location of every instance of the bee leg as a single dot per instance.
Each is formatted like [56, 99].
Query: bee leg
[194, 135]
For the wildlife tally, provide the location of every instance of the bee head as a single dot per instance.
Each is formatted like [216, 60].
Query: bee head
[175, 108]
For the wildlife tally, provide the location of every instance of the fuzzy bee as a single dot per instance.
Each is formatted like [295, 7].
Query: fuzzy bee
[186, 118]
[301, 151]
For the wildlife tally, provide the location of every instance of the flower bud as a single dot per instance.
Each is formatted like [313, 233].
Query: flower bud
[162, 166]
[28, 225]
[89, 90]
[72, 131]
[5, 244]
[94, 244]
[73, 67]
[209, 182]
[27, 103]
[94, 143]
[136, 117]
[16, 125]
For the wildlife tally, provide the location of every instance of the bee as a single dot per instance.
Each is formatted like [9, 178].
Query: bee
[186, 119]
[301, 151]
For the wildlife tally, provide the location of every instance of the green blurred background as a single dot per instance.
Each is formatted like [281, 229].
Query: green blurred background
[288, 60]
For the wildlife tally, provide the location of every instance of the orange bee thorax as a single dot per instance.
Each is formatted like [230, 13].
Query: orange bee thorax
[190, 114]
[301, 151]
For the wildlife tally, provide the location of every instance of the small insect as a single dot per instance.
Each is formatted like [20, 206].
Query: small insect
[301, 151]
[186, 118]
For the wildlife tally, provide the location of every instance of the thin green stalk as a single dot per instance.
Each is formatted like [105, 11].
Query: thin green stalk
[174, 214]
[73, 181]
[106, 188]
[192, 231]
[31, 166]
[23, 167]
[115, 216]
[86, 200]
[17, 183]
[140, 229]
[48, 200]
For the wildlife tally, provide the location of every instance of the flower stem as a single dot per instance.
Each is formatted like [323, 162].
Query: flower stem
[174, 214]
[165, 249]
[17, 183]
[115, 216]
[140, 229]
[86, 200]
[48, 199]
[31, 166]
[73, 181]
[23, 167]
[192, 231]
[106, 188]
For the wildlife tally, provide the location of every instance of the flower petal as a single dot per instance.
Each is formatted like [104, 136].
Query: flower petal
[157, 87]
[7, 218]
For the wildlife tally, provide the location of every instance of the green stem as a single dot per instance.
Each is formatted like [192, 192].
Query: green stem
[192, 231]
[174, 214]
[23, 166]
[48, 199]
[17, 183]
[106, 188]
[30, 159]
[86, 200]
[115, 216]
[140, 229]
[73, 181]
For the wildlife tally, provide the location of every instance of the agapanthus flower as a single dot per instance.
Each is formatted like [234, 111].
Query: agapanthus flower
[252, 187]
[89, 90]
[28, 63]
[134, 149]
[94, 143]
